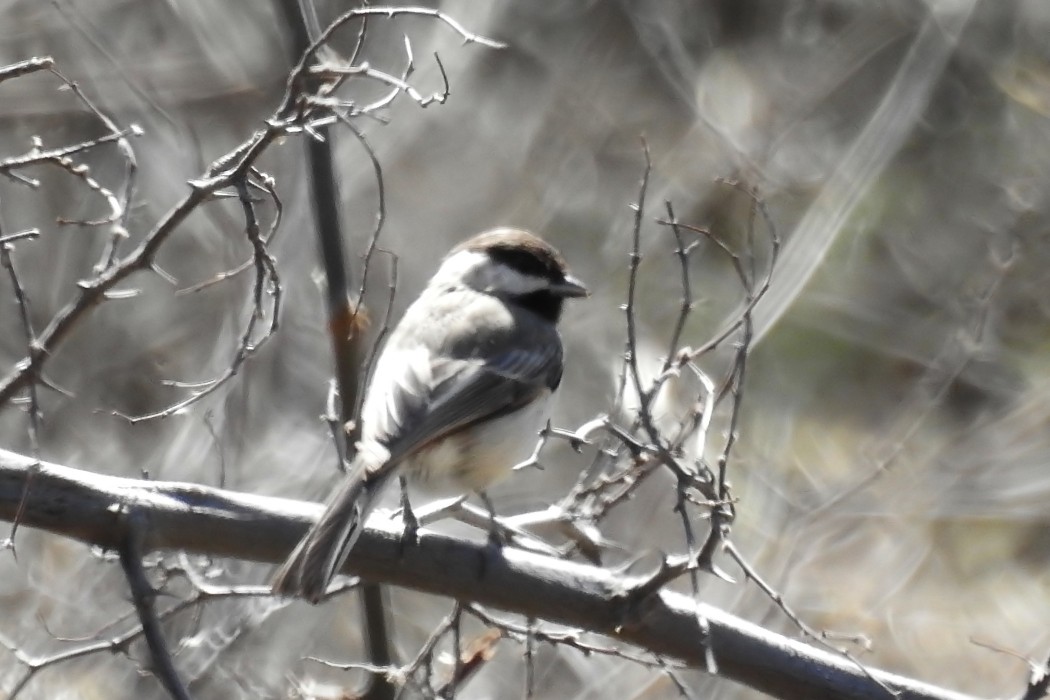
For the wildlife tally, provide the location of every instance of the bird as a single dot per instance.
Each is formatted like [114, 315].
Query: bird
[459, 393]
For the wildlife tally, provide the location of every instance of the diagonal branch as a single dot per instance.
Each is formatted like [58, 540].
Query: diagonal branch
[293, 115]
[80, 505]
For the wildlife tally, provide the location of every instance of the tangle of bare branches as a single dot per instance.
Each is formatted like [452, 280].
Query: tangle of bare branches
[687, 442]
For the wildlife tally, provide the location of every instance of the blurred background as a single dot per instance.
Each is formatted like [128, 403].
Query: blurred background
[892, 470]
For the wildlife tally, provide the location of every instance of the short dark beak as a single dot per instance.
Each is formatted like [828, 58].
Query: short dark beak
[570, 287]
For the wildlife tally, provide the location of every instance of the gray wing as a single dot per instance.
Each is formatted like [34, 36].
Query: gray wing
[425, 391]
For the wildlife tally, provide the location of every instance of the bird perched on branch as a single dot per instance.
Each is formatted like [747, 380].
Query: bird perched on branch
[459, 392]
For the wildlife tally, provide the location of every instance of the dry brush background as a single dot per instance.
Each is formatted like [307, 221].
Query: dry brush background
[893, 447]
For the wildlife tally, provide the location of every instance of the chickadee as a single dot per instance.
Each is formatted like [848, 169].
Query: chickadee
[459, 392]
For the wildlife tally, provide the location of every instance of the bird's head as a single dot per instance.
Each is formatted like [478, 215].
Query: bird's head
[516, 266]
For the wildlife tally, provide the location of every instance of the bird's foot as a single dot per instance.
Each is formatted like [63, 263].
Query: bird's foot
[498, 536]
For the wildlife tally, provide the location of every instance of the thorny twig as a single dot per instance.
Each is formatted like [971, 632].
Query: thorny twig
[763, 287]
[631, 351]
[399, 84]
[631, 453]
[420, 672]
[423, 663]
[387, 324]
[820, 637]
[267, 283]
[293, 115]
[568, 637]
[62, 157]
[355, 400]
[120, 643]
[7, 261]
[300, 111]
[267, 184]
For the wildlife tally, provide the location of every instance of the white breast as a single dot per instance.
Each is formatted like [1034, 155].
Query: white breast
[475, 459]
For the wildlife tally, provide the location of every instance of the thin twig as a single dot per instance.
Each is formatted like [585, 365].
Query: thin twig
[7, 261]
[682, 251]
[30, 65]
[631, 353]
[819, 637]
[291, 115]
[143, 595]
[568, 638]
[267, 283]
[386, 325]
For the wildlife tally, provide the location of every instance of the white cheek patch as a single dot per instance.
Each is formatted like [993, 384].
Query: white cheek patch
[465, 267]
[477, 271]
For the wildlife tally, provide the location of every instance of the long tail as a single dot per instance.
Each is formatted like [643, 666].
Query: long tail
[323, 551]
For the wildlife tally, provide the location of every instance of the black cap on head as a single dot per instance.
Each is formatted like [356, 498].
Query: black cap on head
[531, 255]
[520, 250]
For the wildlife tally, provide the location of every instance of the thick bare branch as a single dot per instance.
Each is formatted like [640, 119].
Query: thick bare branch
[87, 507]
